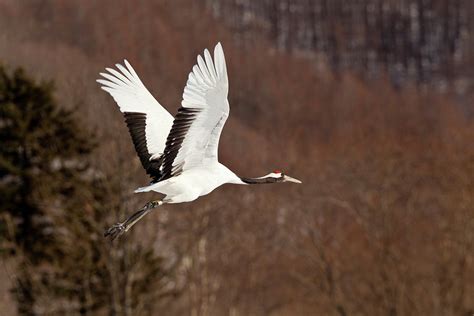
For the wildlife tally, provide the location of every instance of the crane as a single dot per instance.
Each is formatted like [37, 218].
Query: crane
[180, 153]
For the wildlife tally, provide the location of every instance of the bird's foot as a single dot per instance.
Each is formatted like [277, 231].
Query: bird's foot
[120, 228]
[115, 231]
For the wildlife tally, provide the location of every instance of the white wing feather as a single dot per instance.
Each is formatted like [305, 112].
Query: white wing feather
[207, 88]
[131, 95]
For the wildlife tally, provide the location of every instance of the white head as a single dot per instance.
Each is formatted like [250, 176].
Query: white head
[274, 177]
[281, 177]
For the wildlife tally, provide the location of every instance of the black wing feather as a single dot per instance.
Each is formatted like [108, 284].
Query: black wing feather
[182, 122]
[136, 123]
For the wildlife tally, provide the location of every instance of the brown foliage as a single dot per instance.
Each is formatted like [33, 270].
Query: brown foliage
[383, 223]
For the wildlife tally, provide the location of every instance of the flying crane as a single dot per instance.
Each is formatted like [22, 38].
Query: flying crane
[180, 153]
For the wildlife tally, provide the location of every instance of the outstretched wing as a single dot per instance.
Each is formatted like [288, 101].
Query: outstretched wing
[194, 137]
[148, 122]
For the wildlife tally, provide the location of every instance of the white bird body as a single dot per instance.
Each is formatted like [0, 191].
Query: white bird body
[195, 183]
[180, 154]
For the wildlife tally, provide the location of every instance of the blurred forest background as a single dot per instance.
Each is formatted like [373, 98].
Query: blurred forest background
[369, 102]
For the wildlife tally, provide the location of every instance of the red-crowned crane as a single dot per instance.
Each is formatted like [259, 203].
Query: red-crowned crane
[179, 154]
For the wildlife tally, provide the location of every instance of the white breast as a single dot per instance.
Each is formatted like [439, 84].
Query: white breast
[191, 184]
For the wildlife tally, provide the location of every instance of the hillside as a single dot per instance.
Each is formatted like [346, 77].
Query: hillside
[383, 221]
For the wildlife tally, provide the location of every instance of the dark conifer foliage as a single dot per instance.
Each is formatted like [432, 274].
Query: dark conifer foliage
[42, 155]
[423, 41]
[53, 209]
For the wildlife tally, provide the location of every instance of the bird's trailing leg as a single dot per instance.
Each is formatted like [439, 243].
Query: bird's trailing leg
[120, 228]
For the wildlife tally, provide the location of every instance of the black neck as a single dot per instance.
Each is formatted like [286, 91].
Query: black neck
[259, 180]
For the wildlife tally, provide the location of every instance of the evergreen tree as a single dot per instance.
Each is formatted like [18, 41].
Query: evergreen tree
[42, 155]
[41, 162]
[53, 209]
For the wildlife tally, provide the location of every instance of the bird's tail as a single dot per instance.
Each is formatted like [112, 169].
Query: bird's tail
[143, 189]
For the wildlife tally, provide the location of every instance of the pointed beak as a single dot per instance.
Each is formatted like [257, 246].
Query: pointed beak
[290, 179]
